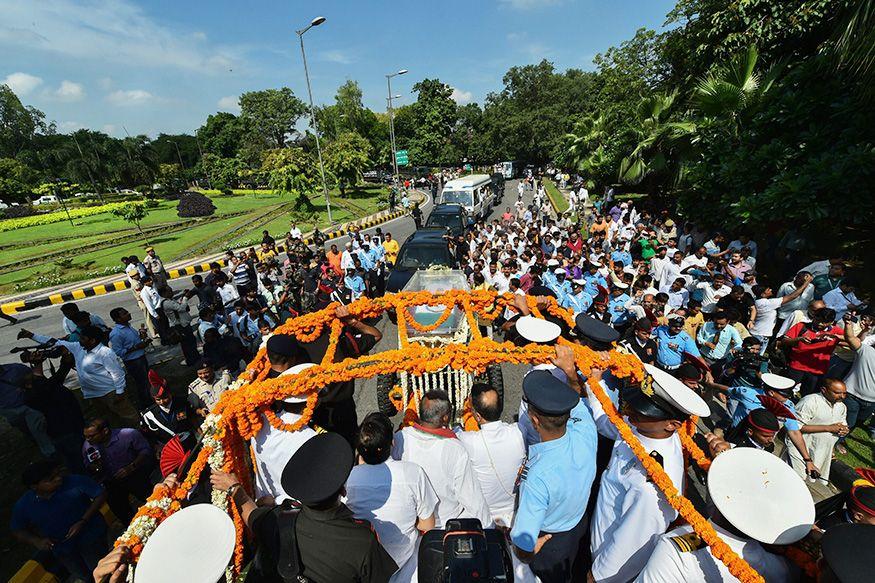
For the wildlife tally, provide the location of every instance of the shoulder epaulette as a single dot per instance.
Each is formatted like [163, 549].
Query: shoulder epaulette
[687, 543]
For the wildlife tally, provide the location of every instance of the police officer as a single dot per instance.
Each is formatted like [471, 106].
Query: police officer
[555, 483]
[630, 511]
[321, 541]
[759, 500]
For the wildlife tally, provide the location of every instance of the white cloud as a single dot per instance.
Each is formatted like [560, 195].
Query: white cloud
[22, 83]
[69, 91]
[229, 103]
[337, 56]
[199, 35]
[67, 127]
[108, 30]
[130, 97]
[461, 97]
[109, 129]
[530, 4]
[105, 83]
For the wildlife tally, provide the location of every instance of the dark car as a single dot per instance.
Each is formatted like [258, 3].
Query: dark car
[424, 248]
[498, 186]
[453, 218]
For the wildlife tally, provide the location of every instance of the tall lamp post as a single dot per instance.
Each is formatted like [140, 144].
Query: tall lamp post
[315, 22]
[392, 121]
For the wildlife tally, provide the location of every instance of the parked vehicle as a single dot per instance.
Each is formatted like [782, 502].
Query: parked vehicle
[46, 199]
[511, 169]
[452, 217]
[474, 192]
[425, 248]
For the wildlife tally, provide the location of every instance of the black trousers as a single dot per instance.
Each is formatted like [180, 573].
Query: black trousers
[339, 417]
[188, 344]
[118, 492]
[555, 562]
[138, 368]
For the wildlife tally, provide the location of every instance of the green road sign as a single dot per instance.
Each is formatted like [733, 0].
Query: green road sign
[401, 158]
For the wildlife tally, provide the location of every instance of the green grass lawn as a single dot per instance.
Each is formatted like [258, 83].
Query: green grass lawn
[558, 200]
[34, 242]
[861, 449]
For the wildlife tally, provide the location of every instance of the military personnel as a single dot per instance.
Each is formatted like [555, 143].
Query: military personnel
[855, 506]
[847, 554]
[555, 483]
[321, 541]
[759, 500]
[631, 511]
[758, 430]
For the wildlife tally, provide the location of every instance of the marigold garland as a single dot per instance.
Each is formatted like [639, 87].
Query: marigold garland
[242, 410]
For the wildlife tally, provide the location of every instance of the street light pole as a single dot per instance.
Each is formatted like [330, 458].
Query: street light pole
[392, 123]
[315, 22]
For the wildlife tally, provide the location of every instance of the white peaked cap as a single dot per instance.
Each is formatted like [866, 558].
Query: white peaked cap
[295, 370]
[193, 545]
[537, 330]
[777, 382]
[761, 496]
[677, 393]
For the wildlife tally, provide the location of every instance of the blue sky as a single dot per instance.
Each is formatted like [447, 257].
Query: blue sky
[155, 66]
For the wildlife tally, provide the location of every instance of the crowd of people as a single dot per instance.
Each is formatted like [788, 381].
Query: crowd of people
[785, 368]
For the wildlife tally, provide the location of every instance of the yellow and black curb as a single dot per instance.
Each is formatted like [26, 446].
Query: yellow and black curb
[12, 308]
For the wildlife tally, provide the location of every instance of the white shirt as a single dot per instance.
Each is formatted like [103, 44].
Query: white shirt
[861, 379]
[670, 272]
[392, 496]
[631, 513]
[151, 300]
[448, 467]
[228, 293]
[800, 303]
[497, 452]
[767, 313]
[100, 370]
[711, 295]
[668, 565]
[295, 233]
[273, 448]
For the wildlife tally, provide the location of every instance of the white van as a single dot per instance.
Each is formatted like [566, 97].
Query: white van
[46, 199]
[473, 192]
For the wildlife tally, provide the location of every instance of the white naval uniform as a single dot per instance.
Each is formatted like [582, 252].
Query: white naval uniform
[273, 448]
[448, 467]
[631, 512]
[392, 496]
[668, 564]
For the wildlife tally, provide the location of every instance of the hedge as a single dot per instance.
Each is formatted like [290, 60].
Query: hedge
[56, 217]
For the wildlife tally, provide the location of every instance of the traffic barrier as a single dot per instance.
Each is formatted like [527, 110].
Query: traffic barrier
[13, 308]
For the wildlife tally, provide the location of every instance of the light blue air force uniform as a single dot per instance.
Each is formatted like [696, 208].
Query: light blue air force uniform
[555, 482]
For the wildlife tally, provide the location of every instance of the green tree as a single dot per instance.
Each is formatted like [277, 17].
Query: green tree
[586, 151]
[292, 171]
[134, 214]
[434, 115]
[19, 124]
[17, 180]
[224, 173]
[269, 117]
[664, 145]
[222, 134]
[171, 179]
[346, 158]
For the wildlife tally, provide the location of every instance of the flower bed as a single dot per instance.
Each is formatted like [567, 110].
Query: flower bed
[58, 216]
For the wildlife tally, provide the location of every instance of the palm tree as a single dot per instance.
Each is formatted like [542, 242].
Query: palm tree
[584, 148]
[732, 90]
[854, 44]
[664, 145]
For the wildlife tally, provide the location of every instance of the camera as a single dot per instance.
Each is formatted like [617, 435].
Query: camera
[464, 551]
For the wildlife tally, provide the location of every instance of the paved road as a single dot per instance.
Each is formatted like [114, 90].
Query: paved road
[48, 320]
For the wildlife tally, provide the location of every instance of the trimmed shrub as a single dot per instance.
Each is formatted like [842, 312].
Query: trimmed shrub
[17, 212]
[194, 204]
